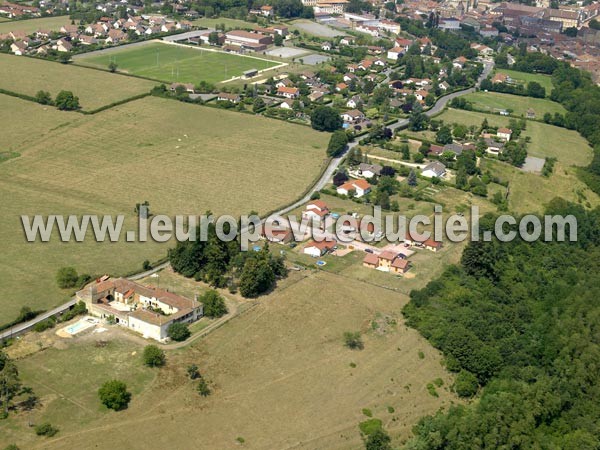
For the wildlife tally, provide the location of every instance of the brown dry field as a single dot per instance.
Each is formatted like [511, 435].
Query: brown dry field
[182, 158]
[280, 375]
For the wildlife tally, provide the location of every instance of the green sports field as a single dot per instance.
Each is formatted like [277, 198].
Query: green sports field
[174, 63]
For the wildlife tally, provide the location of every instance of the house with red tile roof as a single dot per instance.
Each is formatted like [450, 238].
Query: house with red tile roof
[359, 187]
[319, 248]
[146, 310]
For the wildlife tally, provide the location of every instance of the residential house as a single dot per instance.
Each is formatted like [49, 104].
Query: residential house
[459, 62]
[369, 170]
[316, 210]
[146, 310]
[317, 249]
[359, 187]
[288, 92]
[115, 36]
[492, 146]
[326, 46]
[63, 46]
[18, 48]
[227, 97]
[352, 116]
[387, 261]
[395, 53]
[421, 241]
[434, 169]
[278, 234]
[504, 133]
[354, 102]
[500, 78]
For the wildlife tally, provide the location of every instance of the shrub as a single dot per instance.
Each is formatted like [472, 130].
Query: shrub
[203, 388]
[353, 341]
[11, 447]
[44, 325]
[367, 412]
[113, 394]
[66, 101]
[214, 304]
[178, 332]
[378, 440]
[193, 371]
[43, 98]
[146, 265]
[66, 277]
[45, 429]
[369, 426]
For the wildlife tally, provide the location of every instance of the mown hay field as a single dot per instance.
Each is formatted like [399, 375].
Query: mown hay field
[494, 102]
[280, 376]
[94, 88]
[32, 25]
[182, 158]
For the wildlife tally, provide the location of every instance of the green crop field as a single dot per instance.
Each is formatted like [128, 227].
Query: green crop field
[176, 63]
[494, 101]
[31, 25]
[94, 88]
[183, 159]
[546, 140]
[524, 77]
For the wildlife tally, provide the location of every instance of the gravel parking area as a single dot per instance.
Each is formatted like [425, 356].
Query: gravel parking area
[286, 52]
[314, 59]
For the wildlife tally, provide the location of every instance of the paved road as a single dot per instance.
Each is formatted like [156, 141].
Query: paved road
[320, 184]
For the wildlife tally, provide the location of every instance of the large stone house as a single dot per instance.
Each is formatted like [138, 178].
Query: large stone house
[146, 310]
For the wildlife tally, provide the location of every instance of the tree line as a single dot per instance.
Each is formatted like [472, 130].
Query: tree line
[518, 321]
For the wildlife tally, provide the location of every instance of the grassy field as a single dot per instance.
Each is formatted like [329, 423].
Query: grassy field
[229, 23]
[546, 140]
[182, 158]
[524, 77]
[31, 25]
[175, 63]
[279, 373]
[93, 87]
[530, 192]
[494, 101]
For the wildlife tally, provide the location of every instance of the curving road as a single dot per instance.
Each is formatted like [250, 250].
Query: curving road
[437, 108]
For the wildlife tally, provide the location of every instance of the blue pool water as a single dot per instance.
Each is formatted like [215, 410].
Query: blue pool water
[321, 263]
[75, 328]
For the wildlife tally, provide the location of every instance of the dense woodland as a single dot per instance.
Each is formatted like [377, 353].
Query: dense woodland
[522, 321]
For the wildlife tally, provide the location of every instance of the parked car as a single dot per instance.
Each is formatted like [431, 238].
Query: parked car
[368, 250]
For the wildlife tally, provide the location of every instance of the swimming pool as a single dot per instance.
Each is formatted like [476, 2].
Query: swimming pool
[320, 263]
[80, 326]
